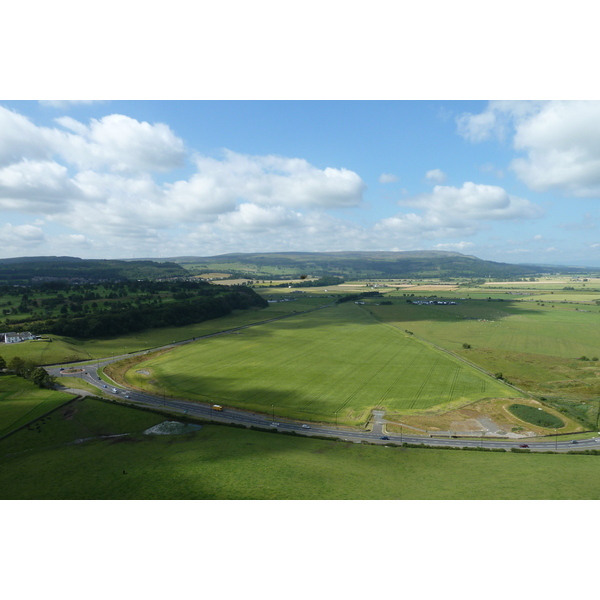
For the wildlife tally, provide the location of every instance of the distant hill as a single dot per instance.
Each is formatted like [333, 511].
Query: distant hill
[26, 270]
[364, 264]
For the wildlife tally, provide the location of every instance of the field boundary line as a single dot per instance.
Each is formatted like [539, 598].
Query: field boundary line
[40, 417]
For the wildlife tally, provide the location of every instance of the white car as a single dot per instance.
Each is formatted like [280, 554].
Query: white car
[305, 426]
[274, 424]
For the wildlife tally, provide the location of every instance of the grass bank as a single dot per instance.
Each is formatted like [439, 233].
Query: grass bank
[221, 462]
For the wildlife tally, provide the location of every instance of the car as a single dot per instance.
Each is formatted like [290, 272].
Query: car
[384, 437]
[274, 424]
[104, 386]
[305, 426]
[524, 446]
[61, 369]
[127, 396]
[100, 378]
[574, 442]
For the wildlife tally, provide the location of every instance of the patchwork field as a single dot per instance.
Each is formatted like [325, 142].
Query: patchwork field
[338, 360]
[221, 463]
[21, 401]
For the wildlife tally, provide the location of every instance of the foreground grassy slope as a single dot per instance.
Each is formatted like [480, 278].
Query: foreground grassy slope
[21, 401]
[337, 360]
[229, 463]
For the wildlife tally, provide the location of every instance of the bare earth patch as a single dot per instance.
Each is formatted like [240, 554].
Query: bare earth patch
[490, 415]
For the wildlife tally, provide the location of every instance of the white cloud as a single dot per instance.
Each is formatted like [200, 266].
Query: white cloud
[115, 142]
[34, 186]
[538, 237]
[450, 212]
[459, 246]
[275, 180]
[250, 217]
[388, 178]
[561, 140]
[19, 236]
[119, 143]
[436, 175]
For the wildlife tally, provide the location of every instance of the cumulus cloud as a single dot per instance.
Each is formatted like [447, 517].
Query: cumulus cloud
[436, 175]
[251, 217]
[115, 142]
[20, 236]
[276, 180]
[98, 178]
[451, 211]
[387, 178]
[34, 186]
[119, 143]
[560, 140]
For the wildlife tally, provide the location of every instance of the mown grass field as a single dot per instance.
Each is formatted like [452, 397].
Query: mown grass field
[21, 401]
[220, 463]
[336, 360]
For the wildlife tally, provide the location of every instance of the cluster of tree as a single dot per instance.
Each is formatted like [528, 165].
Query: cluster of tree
[135, 318]
[28, 370]
[26, 269]
[327, 280]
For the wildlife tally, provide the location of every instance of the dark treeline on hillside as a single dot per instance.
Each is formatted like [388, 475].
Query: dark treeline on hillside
[24, 271]
[211, 303]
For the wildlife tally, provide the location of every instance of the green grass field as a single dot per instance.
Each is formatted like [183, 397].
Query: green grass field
[62, 349]
[337, 360]
[21, 401]
[505, 326]
[220, 462]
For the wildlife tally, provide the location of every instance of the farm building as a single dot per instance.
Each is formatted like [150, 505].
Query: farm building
[14, 338]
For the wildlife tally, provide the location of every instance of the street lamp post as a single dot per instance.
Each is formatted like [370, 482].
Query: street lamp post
[273, 411]
[336, 419]
[555, 440]
[401, 434]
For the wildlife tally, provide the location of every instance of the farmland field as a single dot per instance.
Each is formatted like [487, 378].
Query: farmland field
[505, 326]
[21, 401]
[64, 349]
[338, 360]
[230, 463]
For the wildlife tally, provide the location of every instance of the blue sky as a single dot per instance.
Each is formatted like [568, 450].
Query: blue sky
[506, 181]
